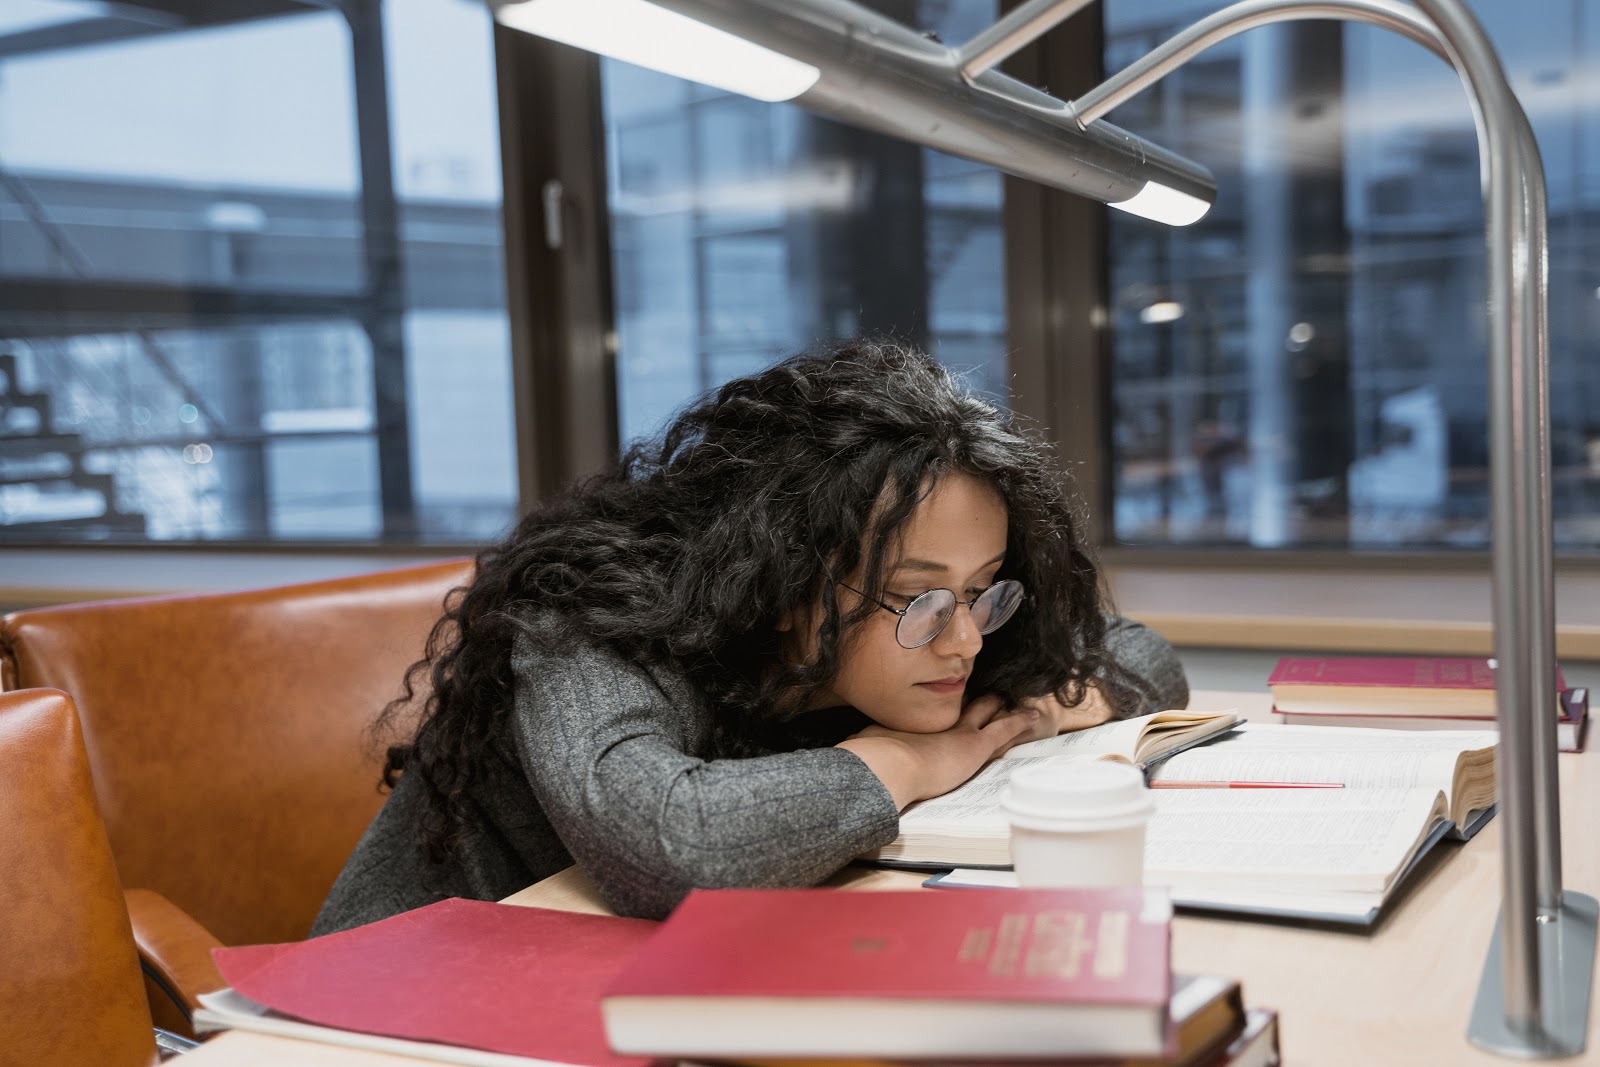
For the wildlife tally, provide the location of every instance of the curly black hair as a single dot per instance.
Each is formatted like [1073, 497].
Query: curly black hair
[691, 550]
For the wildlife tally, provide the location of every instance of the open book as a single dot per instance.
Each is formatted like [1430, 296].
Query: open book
[964, 826]
[1331, 854]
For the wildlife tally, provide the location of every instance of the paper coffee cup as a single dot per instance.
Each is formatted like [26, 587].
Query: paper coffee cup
[1082, 824]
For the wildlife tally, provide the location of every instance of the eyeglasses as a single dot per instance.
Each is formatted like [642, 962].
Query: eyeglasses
[926, 616]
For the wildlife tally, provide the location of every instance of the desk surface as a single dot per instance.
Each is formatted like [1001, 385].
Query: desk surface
[1399, 995]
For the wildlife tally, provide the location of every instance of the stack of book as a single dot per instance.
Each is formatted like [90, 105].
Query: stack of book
[1409, 693]
[760, 978]
[821, 978]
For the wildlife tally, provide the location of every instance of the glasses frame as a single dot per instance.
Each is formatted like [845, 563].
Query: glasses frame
[903, 612]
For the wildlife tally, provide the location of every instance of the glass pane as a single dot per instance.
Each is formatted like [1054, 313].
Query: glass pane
[743, 232]
[1306, 366]
[211, 326]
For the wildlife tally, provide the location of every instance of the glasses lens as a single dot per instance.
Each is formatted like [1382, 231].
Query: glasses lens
[995, 605]
[925, 617]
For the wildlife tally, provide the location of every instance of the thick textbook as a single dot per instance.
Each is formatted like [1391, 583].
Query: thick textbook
[464, 981]
[1331, 854]
[1571, 726]
[1256, 1045]
[1206, 1011]
[784, 973]
[1450, 687]
[961, 822]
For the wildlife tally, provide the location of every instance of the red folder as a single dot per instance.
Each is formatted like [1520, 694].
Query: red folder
[523, 981]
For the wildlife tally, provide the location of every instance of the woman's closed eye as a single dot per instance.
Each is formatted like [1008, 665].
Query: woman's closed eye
[906, 598]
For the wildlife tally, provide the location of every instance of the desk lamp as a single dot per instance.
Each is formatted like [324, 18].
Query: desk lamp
[843, 60]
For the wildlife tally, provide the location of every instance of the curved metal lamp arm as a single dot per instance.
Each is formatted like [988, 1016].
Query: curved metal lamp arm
[1242, 17]
[1014, 32]
[878, 74]
[1545, 943]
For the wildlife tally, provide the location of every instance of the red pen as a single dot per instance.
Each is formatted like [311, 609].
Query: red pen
[1163, 784]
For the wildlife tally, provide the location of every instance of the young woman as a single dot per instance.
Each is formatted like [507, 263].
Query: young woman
[831, 589]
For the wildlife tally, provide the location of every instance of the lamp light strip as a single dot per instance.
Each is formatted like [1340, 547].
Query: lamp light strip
[1163, 203]
[636, 31]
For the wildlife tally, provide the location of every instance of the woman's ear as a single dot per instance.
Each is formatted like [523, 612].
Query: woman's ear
[797, 628]
[799, 619]
[796, 619]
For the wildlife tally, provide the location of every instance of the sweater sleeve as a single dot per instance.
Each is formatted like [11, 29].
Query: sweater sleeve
[1147, 676]
[608, 749]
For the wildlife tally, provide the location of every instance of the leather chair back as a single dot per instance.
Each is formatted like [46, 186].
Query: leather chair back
[229, 734]
[70, 989]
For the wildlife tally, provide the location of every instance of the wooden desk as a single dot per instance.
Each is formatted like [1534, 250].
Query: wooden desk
[1400, 995]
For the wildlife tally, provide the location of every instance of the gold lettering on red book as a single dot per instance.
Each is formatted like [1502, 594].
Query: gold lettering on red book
[975, 945]
[1058, 945]
[1111, 945]
[1008, 944]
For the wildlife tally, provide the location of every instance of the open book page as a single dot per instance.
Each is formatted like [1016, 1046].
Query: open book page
[1135, 740]
[1351, 840]
[967, 825]
[1333, 906]
[1458, 764]
[1322, 853]
[967, 822]
[979, 797]
[1118, 740]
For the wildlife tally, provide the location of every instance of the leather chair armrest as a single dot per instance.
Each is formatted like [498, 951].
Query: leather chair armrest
[174, 949]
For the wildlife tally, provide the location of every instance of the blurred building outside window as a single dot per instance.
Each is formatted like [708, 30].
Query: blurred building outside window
[251, 275]
[223, 318]
[1305, 367]
[743, 232]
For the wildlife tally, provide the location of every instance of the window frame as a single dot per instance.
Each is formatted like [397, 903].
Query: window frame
[559, 363]
[564, 380]
[1062, 275]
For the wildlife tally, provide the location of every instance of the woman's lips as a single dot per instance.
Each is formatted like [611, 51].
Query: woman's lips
[946, 685]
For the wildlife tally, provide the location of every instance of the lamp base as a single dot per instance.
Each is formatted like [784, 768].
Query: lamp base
[1566, 975]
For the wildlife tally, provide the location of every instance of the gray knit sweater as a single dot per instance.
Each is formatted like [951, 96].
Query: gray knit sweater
[606, 767]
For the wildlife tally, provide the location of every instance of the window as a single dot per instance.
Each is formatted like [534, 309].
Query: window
[744, 231]
[1306, 366]
[251, 274]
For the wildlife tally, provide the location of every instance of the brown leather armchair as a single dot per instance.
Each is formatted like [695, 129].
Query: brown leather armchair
[70, 991]
[229, 739]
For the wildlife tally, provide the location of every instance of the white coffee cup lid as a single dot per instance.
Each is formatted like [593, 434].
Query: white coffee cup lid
[1079, 795]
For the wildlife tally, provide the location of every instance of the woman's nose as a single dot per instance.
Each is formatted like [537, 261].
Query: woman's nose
[960, 636]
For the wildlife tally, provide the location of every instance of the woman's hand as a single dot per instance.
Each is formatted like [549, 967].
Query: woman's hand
[1057, 718]
[917, 766]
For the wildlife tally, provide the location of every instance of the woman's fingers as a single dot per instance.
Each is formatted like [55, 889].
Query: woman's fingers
[1020, 726]
[982, 711]
[1011, 726]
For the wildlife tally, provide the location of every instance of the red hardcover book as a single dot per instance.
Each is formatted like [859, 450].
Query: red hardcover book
[524, 981]
[1449, 687]
[817, 973]
[1571, 726]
